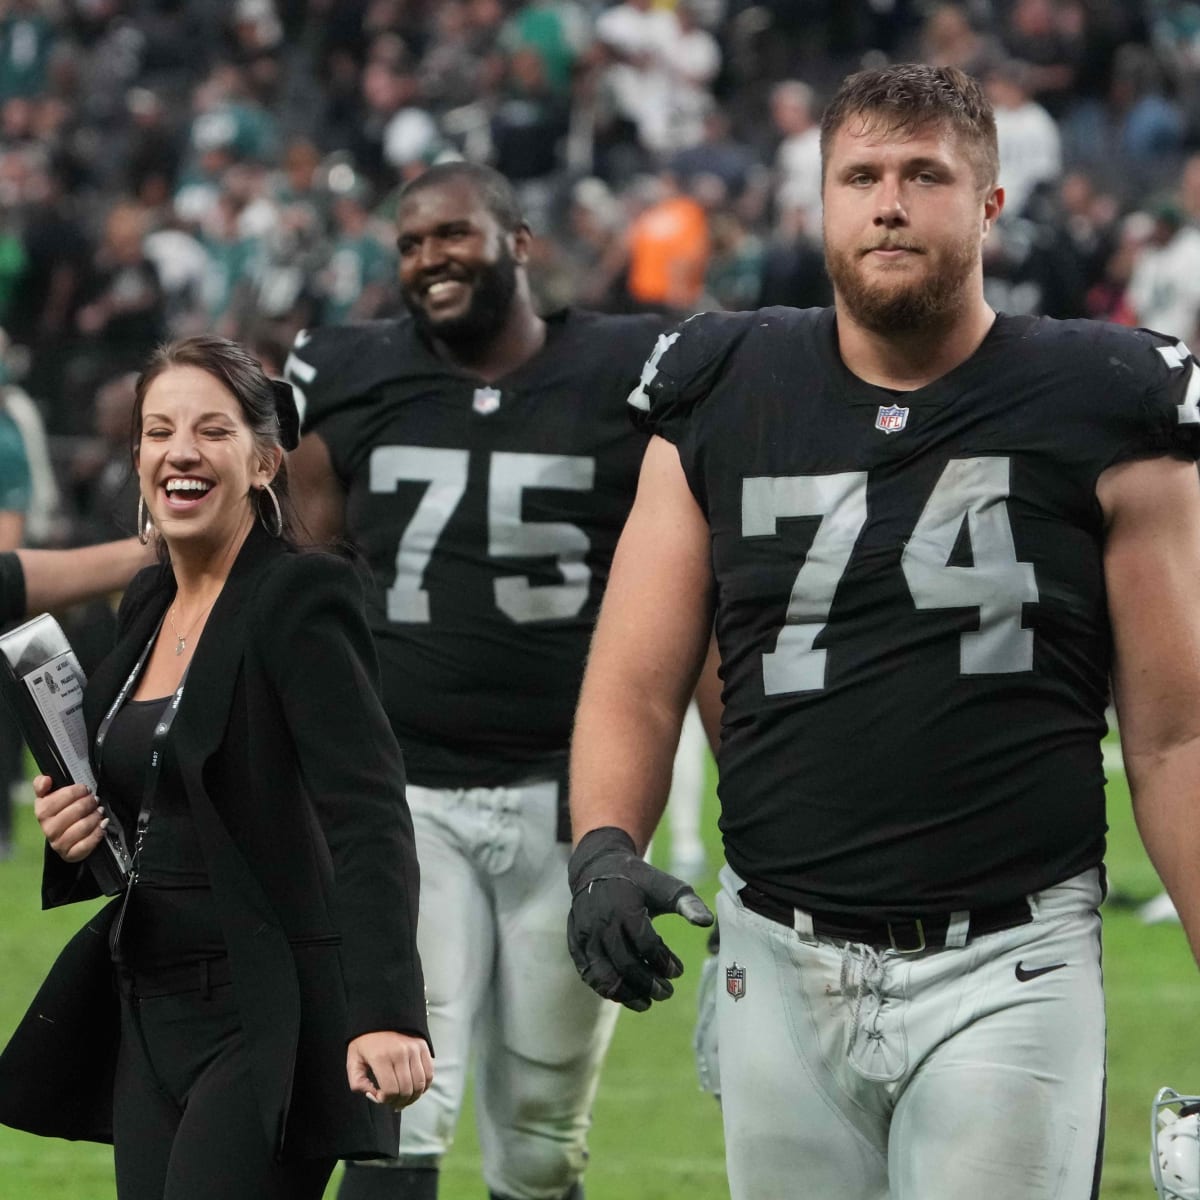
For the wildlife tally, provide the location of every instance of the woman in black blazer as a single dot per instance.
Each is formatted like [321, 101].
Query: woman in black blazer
[271, 1010]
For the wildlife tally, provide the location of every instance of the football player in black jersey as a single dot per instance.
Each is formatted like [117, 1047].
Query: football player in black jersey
[930, 536]
[481, 459]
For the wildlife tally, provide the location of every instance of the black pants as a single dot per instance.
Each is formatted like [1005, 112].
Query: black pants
[186, 1125]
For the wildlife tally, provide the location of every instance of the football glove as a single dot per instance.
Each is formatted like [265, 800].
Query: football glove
[614, 893]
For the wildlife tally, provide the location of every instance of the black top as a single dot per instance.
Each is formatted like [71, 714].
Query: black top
[910, 597]
[488, 517]
[170, 917]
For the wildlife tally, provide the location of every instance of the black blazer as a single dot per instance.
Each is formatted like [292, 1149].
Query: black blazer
[296, 787]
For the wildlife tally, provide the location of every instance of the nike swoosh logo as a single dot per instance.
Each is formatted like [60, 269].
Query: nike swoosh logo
[1024, 975]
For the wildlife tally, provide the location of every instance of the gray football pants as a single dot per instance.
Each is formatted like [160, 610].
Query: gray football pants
[870, 1075]
[501, 984]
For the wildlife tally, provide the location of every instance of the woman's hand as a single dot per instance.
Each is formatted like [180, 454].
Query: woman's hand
[389, 1068]
[70, 817]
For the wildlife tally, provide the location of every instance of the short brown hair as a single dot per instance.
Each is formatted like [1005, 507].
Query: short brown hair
[907, 97]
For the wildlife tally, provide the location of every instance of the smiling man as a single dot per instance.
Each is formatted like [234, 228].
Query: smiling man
[929, 534]
[481, 459]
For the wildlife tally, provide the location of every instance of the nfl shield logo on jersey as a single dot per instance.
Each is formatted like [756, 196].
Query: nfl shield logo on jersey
[486, 401]
[735, 981]
[891, 418]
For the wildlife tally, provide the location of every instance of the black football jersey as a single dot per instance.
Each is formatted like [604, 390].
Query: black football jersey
[488, 516]
[911, 609]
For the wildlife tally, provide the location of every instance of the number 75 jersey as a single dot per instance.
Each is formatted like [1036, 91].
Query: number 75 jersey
[488, 516]
[911, 608]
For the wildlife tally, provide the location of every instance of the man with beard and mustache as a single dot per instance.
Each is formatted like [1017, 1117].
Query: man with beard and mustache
[481, 459]
[929, 535]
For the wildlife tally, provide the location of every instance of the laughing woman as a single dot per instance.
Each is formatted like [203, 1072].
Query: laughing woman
[271, 1011]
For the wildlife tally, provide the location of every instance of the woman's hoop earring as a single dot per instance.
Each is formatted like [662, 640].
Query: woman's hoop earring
[145, 526]
[277, 531]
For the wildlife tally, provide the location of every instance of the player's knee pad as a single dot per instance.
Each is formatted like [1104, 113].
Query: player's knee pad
[531, 1167]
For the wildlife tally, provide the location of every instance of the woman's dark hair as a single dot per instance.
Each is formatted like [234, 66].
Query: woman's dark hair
[268, 405]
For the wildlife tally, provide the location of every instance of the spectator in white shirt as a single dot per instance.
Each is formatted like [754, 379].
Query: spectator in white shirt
[798, 159]
[1028, 137]
[691, 59]
[1164, 289]
[637, 38]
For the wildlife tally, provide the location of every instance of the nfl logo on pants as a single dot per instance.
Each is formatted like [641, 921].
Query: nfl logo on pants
[735, 981]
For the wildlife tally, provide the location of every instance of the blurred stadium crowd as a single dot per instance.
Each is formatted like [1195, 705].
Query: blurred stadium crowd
[173, 165]
[168, 166]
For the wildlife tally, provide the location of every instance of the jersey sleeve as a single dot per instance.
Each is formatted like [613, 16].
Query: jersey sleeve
[1170, 399]
[338, 366]
[681, 371]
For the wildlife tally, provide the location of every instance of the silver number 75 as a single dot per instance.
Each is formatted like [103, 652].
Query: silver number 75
[444, 471]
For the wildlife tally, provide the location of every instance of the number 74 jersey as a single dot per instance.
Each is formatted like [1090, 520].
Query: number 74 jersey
[911, 610]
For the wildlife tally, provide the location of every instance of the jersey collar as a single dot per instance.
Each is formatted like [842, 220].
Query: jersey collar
[939, 392]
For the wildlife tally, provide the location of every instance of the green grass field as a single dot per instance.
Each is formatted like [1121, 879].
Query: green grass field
[656, 1137]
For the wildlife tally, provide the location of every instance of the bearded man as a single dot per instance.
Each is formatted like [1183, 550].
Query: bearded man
[930, 535]
[480, 458]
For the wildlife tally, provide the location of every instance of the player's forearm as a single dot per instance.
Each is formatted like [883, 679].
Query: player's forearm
[1165, 785]
[708, 697]
[650, 641]
[56, 578]
[621, 757]
[316, 492]
[12, 529]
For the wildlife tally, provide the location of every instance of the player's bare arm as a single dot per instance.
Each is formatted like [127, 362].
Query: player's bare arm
[12, 529]
[1152, 573]
[649, 646]
[57, 578]
[708, 695]
[650, 642]
[316, 490]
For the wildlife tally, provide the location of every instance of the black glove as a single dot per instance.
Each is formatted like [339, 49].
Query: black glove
[614, 893]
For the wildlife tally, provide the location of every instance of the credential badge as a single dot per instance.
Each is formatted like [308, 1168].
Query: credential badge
[486, 401]
[735, 980]
[891, 418]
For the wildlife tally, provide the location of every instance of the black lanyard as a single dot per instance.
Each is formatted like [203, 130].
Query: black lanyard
[157, 744]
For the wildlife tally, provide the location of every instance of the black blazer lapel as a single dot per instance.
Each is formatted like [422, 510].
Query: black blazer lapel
[208, 693]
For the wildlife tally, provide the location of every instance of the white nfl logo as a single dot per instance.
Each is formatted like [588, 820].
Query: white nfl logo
[486, 401]
[891, 418]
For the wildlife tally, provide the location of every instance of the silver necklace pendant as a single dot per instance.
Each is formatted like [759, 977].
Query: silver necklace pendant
[180, 644]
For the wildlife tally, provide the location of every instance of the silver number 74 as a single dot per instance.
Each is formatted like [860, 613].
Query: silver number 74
[973, 490]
